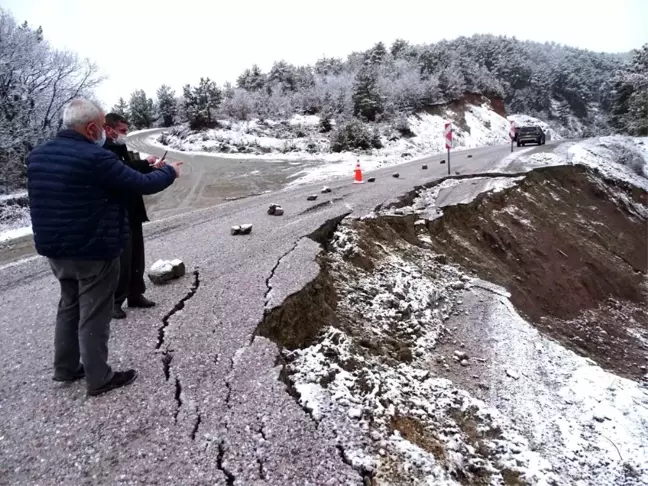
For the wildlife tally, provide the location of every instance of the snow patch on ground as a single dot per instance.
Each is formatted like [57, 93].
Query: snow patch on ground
[144, 130]
[12, 234]
[15, 221]
[618, 157]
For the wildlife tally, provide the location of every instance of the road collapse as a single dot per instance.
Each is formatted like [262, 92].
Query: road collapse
[497, 340]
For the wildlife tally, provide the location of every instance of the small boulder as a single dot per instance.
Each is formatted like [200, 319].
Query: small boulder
[395, 175]
[464, 362]
[513, 374]
[246, 229]
[278, 211]
[371, 179]
[326, 190]
[460, 355]
[442, 162]
[354, 413]
[424, 167]
[272, 209]
[163, 271]
[469, 156]
[235, 230]
[312, 197]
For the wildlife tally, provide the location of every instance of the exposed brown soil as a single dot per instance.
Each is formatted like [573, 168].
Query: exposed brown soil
[571, 252]
[459, 105]
[298, 321]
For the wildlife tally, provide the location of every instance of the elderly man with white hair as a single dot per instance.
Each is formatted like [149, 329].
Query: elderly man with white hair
[77, 196]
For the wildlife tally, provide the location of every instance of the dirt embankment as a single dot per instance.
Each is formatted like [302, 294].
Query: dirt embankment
[375, 329]
[570, 246]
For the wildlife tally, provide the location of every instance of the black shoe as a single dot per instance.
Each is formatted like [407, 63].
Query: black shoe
[141, 302]
[80, 373]
[118, 312]
[119, 379]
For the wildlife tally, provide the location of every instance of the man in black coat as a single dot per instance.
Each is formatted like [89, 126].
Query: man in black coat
[131, 284]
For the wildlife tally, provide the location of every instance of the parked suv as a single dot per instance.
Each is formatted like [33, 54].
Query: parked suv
[530, 135]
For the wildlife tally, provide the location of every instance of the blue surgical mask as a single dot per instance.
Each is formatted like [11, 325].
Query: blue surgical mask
[102, 138]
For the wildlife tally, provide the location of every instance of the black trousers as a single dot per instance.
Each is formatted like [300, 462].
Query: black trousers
[131, 275]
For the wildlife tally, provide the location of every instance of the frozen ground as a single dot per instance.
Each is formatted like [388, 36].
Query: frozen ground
[629, 154]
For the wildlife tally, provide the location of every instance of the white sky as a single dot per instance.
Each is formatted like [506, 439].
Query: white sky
[144, 43]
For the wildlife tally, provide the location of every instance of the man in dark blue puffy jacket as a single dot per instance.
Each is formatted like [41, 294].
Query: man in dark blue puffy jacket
[77, 196]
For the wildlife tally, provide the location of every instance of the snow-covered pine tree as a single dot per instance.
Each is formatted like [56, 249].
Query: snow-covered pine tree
[167, 108]
[201, 102]
[121, 108]
[629, 110]
[367, 102]
[141, 110]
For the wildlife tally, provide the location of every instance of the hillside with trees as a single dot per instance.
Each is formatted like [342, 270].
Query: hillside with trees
[548, 81]
[579, 92]
[574, 90]
[629, 111]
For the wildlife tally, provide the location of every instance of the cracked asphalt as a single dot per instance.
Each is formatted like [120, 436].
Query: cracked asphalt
[208, 407]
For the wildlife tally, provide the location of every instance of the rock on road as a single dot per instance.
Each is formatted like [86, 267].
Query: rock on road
[208, 407]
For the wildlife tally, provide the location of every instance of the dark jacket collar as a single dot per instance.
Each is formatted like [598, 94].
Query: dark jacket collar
[69, 133]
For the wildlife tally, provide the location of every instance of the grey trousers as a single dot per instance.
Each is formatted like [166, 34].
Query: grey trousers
[83, 318]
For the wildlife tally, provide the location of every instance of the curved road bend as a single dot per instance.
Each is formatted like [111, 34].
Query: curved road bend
[207, 407]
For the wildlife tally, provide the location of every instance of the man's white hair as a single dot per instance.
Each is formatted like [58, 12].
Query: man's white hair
[80, 112]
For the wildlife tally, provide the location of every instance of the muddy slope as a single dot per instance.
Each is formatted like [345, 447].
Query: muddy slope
[571, 248]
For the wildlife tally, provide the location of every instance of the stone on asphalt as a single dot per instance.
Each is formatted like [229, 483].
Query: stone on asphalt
[235, 230]
[395, 175]
[179, 268]
[424, 167]
[312, 197]
[278, 211]
[272, 209]
[442, 162]
[469, 156]
[326, 189]
[371, 179]
[246, 229]
[163, 271]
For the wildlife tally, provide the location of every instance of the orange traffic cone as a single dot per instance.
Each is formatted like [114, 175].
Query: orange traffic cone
[358, 174]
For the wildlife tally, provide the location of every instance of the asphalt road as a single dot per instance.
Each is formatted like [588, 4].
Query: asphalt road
[207, 407]
[209, 180]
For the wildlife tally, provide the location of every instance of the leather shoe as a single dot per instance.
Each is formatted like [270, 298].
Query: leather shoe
[140, 302]
[119, 379]
[118, 312]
